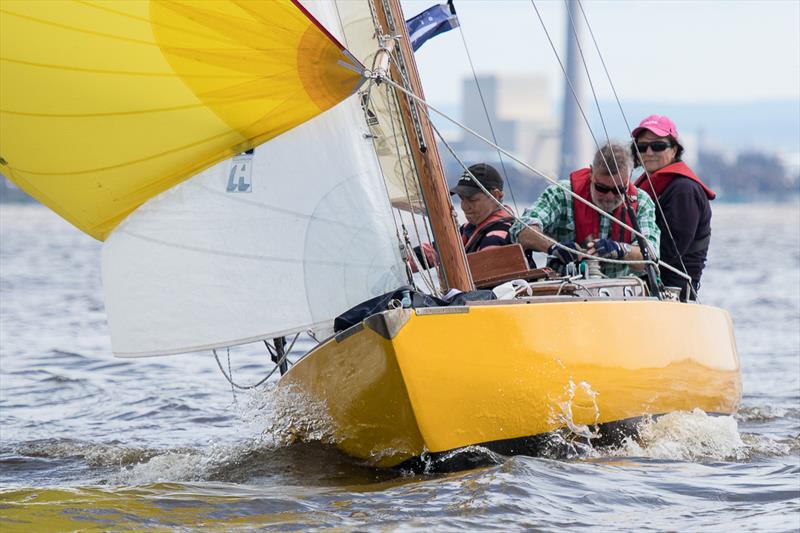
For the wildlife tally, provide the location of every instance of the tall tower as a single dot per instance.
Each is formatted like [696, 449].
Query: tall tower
[571, 139]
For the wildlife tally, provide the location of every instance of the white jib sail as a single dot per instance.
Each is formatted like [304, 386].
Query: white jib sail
[383, 113]
[259, 246]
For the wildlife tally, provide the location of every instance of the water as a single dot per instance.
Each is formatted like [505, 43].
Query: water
[92, 442]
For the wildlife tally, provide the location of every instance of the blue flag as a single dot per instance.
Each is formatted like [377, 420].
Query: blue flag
[433, 21]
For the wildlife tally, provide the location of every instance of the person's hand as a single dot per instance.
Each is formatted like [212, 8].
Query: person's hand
[607, 248]
[426, 256]
[430, 253]
[563, 255]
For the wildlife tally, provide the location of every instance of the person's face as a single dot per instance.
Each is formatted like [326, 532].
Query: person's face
[606, 190]
[479, 206]
[651, 159]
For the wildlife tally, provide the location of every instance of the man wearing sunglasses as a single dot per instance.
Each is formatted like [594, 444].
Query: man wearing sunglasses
[684, 216]
[558, 216]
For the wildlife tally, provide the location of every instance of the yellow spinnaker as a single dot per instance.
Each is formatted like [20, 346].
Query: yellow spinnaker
[106, 104]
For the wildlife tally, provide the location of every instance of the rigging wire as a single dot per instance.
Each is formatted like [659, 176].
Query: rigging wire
[413, 102]
[381, 36]
[395, 136]
[566, 76]
[572, 87]
[394, 110]
[486, 111]
[425, 105]
[594, 94]
[392, 100]
[522, 222]
[580, 107]
[636, 148]
[366, 100]
[683, 274]
[625, 200]
[650, 250]
[229, 374]
[416, 123]
[517, 219]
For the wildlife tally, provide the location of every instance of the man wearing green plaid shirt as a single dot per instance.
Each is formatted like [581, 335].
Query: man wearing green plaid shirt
[557, 215]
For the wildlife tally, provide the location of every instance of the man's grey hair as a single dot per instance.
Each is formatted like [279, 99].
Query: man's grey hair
[613, 159]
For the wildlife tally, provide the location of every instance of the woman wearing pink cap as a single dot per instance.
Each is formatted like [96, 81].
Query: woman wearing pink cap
[685, 213]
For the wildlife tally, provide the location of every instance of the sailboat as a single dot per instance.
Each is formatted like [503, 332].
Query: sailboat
[245, 170]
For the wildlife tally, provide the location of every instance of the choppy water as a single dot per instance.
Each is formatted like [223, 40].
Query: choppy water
[92, 442]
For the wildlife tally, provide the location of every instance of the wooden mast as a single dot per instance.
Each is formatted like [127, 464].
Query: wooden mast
[452, 259]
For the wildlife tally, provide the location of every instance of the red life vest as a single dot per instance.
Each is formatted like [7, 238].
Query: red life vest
[587, 220]
[663, 176]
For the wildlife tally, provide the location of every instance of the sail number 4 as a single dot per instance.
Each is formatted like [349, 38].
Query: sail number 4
[240, 176]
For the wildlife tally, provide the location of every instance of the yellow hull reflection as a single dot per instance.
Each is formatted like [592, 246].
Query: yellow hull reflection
[436, 380]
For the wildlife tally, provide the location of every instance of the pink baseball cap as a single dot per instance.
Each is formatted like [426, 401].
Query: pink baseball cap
[658, 124]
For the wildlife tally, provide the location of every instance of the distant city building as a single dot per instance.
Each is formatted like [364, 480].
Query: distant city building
[521, 113]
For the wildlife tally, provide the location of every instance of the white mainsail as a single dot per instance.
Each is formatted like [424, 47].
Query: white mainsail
[258, 246]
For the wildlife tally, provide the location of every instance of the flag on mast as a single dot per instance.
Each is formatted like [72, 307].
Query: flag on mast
[433, 21]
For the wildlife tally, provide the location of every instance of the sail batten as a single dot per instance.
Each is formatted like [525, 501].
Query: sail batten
[105, 105]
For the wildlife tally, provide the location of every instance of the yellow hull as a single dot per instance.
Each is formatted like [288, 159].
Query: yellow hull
[407, 382]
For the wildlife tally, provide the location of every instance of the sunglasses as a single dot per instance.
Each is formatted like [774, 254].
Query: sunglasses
[602, 189]
[656, 146]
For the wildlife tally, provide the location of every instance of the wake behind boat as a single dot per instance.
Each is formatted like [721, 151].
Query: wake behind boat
[278, 238]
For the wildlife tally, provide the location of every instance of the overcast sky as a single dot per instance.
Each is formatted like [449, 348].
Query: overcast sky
[663, 50]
